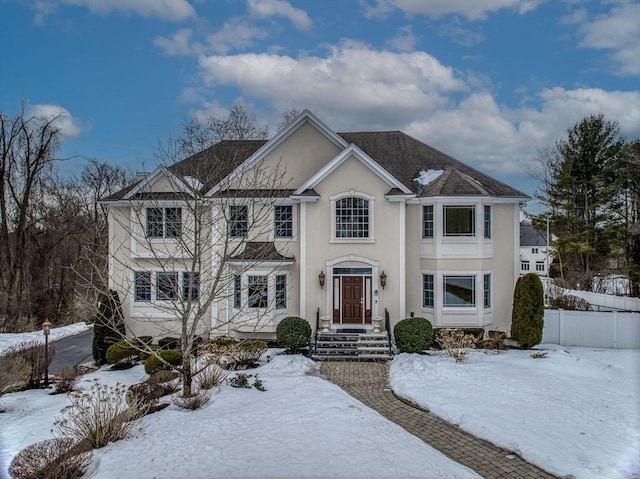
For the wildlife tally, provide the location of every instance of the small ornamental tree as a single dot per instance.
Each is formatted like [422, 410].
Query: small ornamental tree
[527, 319]
[109, 325]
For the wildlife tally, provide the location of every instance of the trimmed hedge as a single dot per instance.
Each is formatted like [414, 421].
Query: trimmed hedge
[413, 335]
[293, 333]
[169, 342]
[154, 363]
[120, 351]
[527, 319]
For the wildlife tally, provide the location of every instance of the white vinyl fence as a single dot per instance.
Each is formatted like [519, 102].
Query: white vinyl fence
[611, 329]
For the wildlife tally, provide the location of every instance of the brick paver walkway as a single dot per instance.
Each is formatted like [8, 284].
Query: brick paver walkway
[367, 382]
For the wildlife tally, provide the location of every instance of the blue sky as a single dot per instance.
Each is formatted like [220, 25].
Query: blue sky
[491, 82]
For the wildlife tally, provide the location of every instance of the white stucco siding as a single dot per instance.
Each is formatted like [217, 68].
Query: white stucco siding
[379, 251]
[469, 257]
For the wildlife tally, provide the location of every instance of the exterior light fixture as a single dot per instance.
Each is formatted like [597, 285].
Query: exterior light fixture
[383, 279]
[46, 329]
[321, 279]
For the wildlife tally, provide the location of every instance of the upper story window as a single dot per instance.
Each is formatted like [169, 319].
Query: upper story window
[283, 215]
[487, 221]
[352, 217]
[534, 250]
[427, 221]
[164, 222]
[459, 220]
[238, 221]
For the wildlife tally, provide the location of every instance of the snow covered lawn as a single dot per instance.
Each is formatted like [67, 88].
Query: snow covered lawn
[575, 412]
[301, 427]
[8, 340]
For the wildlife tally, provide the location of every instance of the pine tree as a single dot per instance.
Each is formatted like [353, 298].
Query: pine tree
[580, 188]
[527, 320]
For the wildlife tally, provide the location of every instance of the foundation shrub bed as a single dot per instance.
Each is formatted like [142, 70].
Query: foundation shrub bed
[293, 334]
[121, 351]
[246, 355]
[413, 335]
[456, 342]
[163, 359]
[169, 342]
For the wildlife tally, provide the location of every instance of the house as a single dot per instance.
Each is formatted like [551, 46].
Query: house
[313, 223]
[534, 253]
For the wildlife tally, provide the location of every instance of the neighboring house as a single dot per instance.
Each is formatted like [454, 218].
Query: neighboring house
[535, 257]
[360, 224]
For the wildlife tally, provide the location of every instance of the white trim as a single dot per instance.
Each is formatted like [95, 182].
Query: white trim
[402, 230]
[305, 117]
[154, 176]
[111, 258]
[303, 260]
[473, 199]
[353, 150]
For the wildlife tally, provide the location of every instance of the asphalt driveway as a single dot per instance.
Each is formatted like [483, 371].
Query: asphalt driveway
[72, 350]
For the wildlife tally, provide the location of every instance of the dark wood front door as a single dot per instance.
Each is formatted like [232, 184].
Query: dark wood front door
[352, 299]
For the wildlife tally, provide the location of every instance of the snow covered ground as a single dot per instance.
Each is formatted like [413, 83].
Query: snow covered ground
[8, 340]
[301, 427]
[575, 412]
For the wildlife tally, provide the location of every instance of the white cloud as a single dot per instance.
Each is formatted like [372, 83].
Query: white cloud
[179, 44]
[353, 80]
[619, 32]
[470, 9]
[405, 40]
[280, 8]
[355, 87]
[234, 34]
[170, 10]
[69, 127]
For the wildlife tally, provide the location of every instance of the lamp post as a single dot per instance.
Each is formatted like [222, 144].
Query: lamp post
[46, 329]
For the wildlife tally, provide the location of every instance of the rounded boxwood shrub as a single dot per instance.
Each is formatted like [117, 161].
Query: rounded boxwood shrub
[293, 333]
[119, 352]
[144, 340]
[413, 334]
[527, 318]
[154, 363]
[169, 342]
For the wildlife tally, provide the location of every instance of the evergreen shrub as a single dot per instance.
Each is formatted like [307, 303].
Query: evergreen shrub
[108, 326]
[413, 335]
[293, 333]
[120, 351]
[169, 342]
[527, 319]
[155, 363]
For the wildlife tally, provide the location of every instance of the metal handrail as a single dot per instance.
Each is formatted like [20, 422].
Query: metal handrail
[387, 326]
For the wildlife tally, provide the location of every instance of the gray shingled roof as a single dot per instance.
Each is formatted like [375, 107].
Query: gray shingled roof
[404, 157]
[400, 154]
[529, 236]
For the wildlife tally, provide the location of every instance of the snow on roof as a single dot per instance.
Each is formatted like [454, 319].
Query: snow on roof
[427, 176]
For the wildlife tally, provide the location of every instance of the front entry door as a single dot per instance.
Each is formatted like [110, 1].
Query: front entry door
[352, 299]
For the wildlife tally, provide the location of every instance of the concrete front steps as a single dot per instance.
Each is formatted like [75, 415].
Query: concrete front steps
[337, 345]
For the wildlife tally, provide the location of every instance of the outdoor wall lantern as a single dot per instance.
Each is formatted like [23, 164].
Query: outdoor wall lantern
[383, 279]
[46, 329]
[321, 278]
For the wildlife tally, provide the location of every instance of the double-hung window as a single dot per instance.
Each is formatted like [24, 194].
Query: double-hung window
[487, 221]
[257, 287]
[237, 291]
[238, 221]
[352, 217]
[164, 222]
[281, 291]
[459, 220]
[459, 291]
[428, 294]
[283, 215]
[190, 286]
[427, 221]
[487, 290]
[142, 280]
